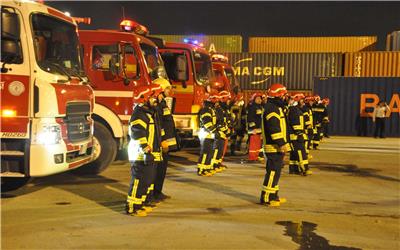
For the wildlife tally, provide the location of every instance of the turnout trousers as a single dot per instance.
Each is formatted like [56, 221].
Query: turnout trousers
[140, 188]
[161, 171]
[270, 187]
[298, 162]
[254, 146]
[206, 155]
[218, 151]
[317, 136]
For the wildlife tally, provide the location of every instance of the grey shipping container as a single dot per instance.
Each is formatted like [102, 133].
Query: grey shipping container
[257, 71]
[352, 101]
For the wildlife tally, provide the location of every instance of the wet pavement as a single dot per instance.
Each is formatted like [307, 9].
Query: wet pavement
[352, 201]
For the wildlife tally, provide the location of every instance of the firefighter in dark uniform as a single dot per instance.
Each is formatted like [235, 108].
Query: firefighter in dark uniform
[298, 163]
[208, 132]
[275, 144]
[318, 115]
[224, 124]
[144, 150]
[309, 102]
[254, 117]
[168, 140]
[325, 119]
[238, 112]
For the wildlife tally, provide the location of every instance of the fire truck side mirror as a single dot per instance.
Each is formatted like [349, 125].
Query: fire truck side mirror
[114, 65]
[10, 31]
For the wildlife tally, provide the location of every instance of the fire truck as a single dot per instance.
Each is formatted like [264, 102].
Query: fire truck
[116, 62]
[46, 102]
[224, 75]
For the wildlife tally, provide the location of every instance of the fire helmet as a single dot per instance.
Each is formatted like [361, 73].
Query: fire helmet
[141, 94]
[277, 90]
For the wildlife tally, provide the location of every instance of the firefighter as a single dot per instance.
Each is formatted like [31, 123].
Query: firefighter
[254, 117]
[318, 114]
[298, 163]
[238, 112]
[309, 102]
[226, 126]
[208, 132]
[144, 150]
[275, 144]
[325, 118]
[168, 140]
[307, 121]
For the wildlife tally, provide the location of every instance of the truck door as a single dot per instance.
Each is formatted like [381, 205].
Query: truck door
[15, 75]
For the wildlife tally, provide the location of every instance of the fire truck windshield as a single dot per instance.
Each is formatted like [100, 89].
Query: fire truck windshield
[203, 68]
[154, 62]
[56, 46]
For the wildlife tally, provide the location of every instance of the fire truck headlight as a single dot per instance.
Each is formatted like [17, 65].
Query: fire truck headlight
[48, 135]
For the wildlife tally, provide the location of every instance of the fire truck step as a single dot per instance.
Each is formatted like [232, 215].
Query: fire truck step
[12, 153]
[12, 174]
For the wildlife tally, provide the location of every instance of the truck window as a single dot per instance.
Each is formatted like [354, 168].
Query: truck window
[202, 65]
[131, 62]
[11, 49]
[56, 45]
[102, 54]
[155, 66]
[171, 64]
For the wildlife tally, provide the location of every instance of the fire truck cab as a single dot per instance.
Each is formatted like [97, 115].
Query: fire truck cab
[117, 62]
[224, 75]
[46, 102]
[189, 69]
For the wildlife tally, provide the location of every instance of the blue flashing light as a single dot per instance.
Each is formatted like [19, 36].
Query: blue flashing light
[185, 40]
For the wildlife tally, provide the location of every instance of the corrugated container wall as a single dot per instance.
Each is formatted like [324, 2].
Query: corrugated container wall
[393, 41]
[257, 71]
[213, 43]
[311, 44]
[352, 101]
[374, 64]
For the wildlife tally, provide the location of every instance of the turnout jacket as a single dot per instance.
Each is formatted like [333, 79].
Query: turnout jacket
[296, 124]
[167, 125]
[254, 117]
[207, 120]
[274, 127]
[319, 112]
[144, 130]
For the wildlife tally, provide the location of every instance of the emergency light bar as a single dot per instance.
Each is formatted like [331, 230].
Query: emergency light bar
[132, 26]
[193, 41]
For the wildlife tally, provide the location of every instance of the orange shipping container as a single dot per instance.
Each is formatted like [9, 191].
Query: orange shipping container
[311, 44]
[372, 64]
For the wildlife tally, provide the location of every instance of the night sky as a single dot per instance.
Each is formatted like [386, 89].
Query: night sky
[246, 18]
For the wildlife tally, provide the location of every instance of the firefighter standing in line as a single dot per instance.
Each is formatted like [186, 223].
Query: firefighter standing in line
[144, 150]
[220, 136]
[325, 119]
[298, 163]
[168, 137]
[318, 115]
[208, 131]
[275, 144]
[225, 104]
[238, 112]
[309, 102]
[254, 117]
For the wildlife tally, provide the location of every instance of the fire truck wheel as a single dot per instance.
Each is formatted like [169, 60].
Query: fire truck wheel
[12, 183]
[105, 149]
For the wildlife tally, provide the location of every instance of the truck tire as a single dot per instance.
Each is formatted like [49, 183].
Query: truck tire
[105, 150]
[12, 183]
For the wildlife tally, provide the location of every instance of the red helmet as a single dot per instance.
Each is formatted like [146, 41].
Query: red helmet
[224, 95]
[298, 97]
[255, 95]
[325, 100]
[141, 94]
[212, 96]
[277, 90]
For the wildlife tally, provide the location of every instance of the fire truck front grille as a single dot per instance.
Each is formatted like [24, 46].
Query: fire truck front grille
[77, 123]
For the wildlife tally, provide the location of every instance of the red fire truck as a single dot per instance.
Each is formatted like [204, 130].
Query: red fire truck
[224, 75]
[46, 102]
[117, 62]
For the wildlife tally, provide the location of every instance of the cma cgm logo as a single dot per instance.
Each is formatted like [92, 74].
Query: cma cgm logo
[264, 73]
[369, 101]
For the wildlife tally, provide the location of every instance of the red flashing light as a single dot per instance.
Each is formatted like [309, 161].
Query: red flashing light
[132, 26]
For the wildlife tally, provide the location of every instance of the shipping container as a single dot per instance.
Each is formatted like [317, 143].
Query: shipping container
[311, 44]
[213, 43]
[257, 71]
[352, 101]
[393, 41]
[372, 64]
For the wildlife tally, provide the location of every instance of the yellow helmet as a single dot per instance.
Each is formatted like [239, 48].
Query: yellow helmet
[164, 83]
